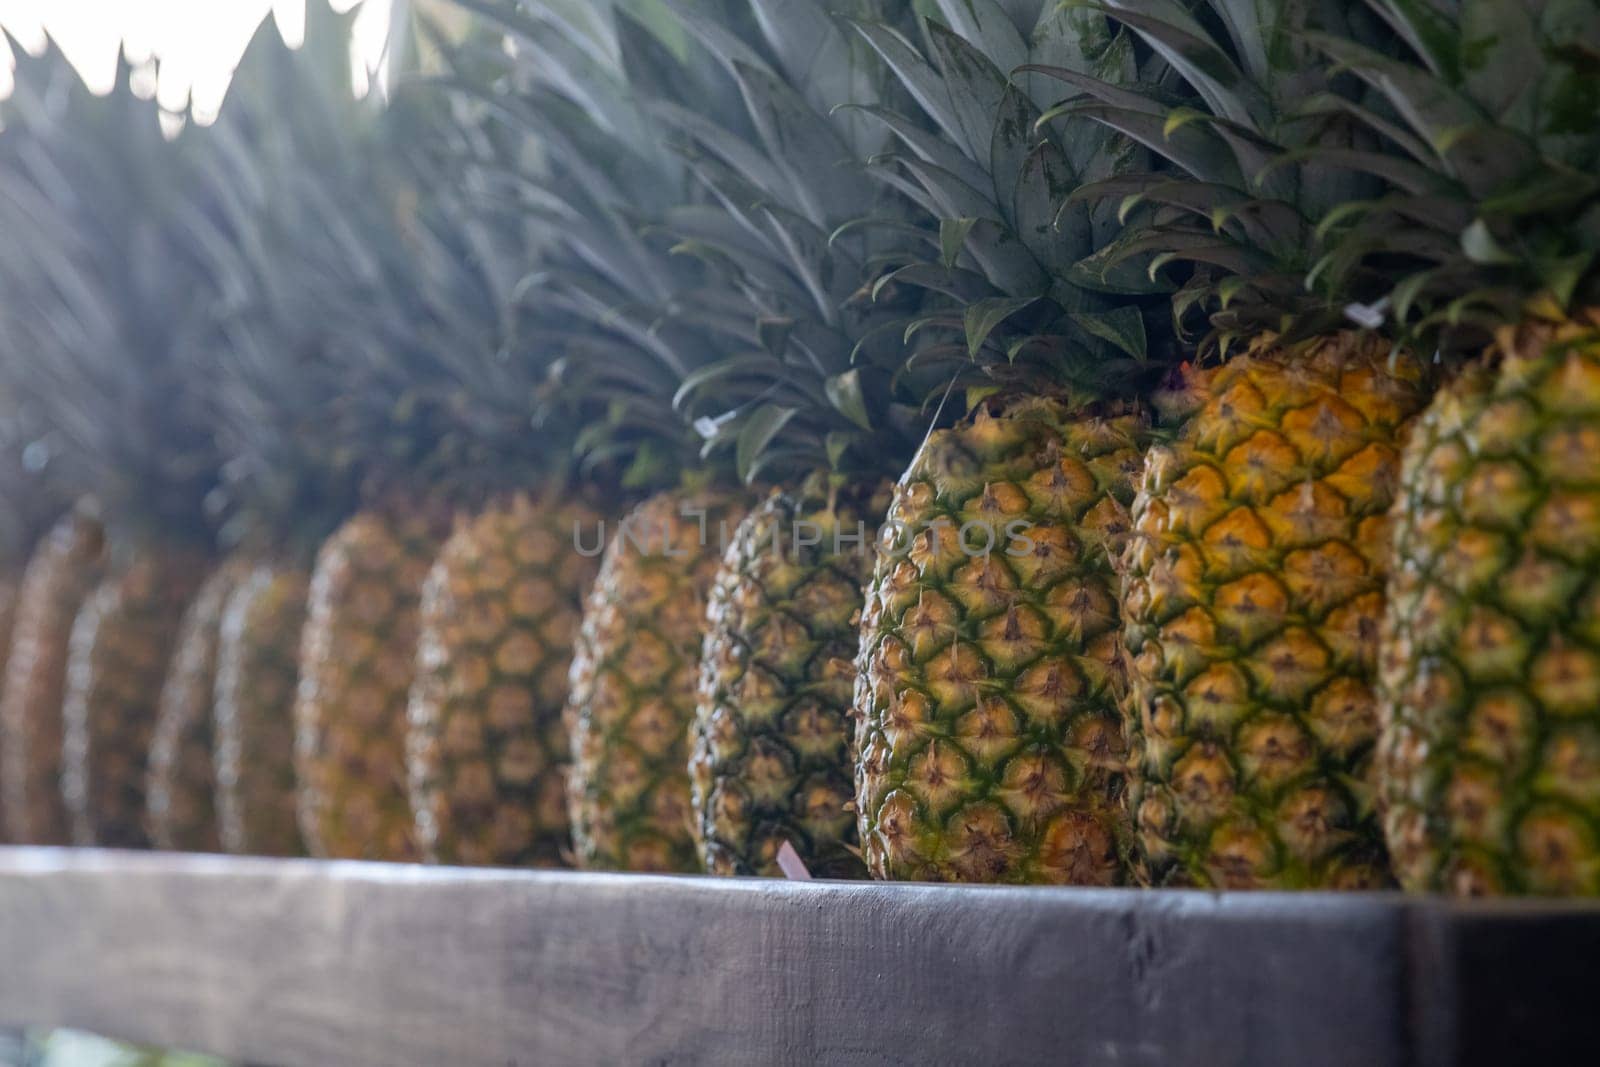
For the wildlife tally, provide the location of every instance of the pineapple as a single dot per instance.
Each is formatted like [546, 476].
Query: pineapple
[121, 365]
[44, 116]
[30, 509]
[1253, 580]
[328, 416]
[989, 738]
[357, 662]
[1488, 691]
[632, 324]
[989, 734]
[487, 746]
[770, 761]
[117, 657]
[287, 427]
[1253, 592]
[63, 571]
[256, 679]
[182, 786]
[8, 616]
[633, 675]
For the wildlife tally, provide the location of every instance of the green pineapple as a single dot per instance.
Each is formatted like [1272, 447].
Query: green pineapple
[1487, 688]
[771, 757]
[990, 745]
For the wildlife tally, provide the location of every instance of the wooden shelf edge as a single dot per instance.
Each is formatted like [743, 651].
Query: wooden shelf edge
[313, 963]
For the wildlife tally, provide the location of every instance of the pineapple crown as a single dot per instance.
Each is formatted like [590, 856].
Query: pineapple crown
[1259, 147]
[601, 311]
[366, 316]
[109, 297]
[808, 384]
[1498, 142]
[275, 222]
[1011, 309]
[30, 484]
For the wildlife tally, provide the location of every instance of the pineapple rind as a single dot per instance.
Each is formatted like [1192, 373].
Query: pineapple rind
[487, 748]
[117, 657]
[1490, 682]
[632, 685]
[357, 663]
[989, 731]
[9, 590]
[63, 571]
[257, 675]
[1253, 586]
[771, 757]
[181, 792]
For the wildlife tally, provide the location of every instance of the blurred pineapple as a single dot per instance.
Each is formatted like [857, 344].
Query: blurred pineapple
[62, 571]
[181, 792]
[288, 475]
[121, 384]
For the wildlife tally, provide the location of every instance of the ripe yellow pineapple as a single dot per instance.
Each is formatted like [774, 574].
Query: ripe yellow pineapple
[633, 677]
[64, 569]
[487, 747]
[122, 641]
[1254, 579]
[989, 730]
[1253, 590]
[257, 676]
[357, 663]
[182, 788]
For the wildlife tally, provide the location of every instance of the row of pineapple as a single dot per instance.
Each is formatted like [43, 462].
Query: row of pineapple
[1152, 444]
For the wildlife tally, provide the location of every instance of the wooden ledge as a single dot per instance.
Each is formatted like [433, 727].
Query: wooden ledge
[311, 963]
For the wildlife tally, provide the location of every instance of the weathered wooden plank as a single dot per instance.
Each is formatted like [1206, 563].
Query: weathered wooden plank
[298, 962]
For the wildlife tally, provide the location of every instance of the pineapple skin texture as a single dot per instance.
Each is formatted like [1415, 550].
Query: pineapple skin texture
[631, 697]
[9, 593]
[64, 569]
[8, 617]
[1252, 592]
[771, 759]
[989, 730]
[258, 672]
[121, 644]
[1490, 683]
[182, 788]
[357, 663]
[487, 747]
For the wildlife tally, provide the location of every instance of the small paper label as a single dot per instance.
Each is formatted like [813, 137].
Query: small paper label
[793, 867]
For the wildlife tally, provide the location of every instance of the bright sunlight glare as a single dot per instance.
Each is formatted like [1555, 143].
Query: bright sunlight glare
[198, 43]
